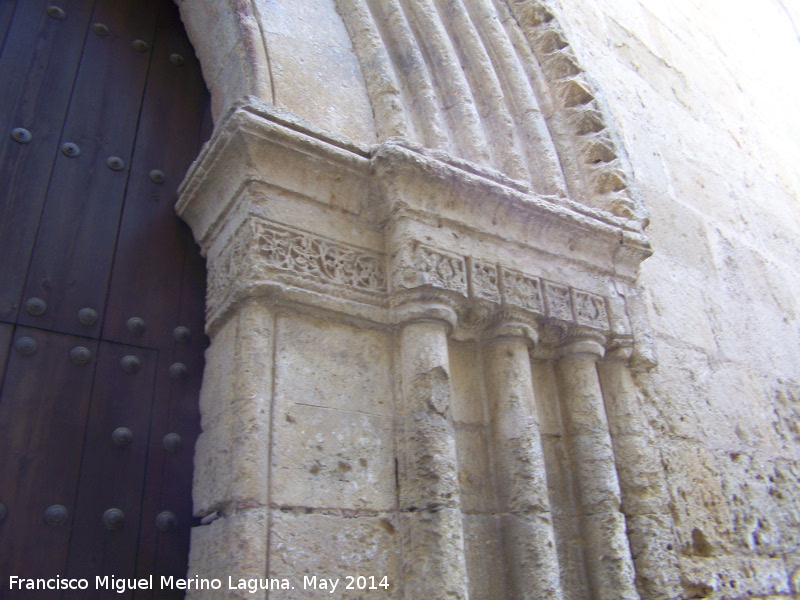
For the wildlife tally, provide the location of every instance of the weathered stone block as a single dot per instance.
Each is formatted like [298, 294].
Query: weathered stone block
[611, 571]
[334, 546]
[484, 556]
[427, 462]
[332, 458]
[430, 539]
[231, 458]
[333, 365]
[475, 475]
[655, 556]
[235, 546]
[735, 577]
[468, 405]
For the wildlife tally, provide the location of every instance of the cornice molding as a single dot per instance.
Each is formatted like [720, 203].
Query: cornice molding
[282, 210]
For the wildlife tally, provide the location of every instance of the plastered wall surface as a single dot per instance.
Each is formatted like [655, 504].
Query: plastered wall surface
[700, 95]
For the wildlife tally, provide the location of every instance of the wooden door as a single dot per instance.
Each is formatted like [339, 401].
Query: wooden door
[101, 292]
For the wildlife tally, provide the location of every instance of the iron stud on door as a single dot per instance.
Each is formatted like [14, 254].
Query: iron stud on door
[21, 135]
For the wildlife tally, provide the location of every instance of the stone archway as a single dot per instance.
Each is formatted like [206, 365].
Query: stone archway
[421, 331]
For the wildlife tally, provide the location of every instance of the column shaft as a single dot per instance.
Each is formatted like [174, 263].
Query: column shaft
[608, 555]
[643, 483]
[434, 566]
[527, 526]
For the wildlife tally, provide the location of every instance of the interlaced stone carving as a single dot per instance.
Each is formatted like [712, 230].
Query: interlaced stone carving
[590, 309]
[523, 291]
[226, 270]
[261, 247]
[484, 281]
[280, 247]
[497, 284]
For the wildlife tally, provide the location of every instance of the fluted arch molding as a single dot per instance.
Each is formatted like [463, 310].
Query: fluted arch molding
[494, 82]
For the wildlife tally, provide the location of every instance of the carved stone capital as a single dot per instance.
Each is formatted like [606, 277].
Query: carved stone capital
[583, 341]
[512, 325]
[619, 348]
[419, 265]
[414, 311]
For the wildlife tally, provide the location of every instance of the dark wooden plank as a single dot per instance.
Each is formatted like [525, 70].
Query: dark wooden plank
[6, 330]
[112, 476]
[147, 270]
[157, 458]
[176, 99]
[72, 258]
[7, 8]
[37, 70]
[184, 417]
[43, 411]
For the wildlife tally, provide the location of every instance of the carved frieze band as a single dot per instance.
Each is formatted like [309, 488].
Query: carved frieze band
[299, 253]
[423, 265]
[263, 251]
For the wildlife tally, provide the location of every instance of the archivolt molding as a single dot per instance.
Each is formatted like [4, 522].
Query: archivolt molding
[494, 82]
[228, 42]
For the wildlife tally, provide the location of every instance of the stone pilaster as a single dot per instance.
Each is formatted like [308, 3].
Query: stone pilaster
[532, 569]
[434, 564]
[231, 477]
[608, 556]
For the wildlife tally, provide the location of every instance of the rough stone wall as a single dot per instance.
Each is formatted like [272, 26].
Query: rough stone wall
[699, 95]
